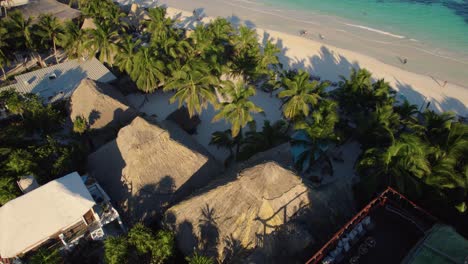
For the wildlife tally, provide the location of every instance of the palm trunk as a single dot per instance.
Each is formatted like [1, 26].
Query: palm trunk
[238, 143]
[4, 74]
[55, 50]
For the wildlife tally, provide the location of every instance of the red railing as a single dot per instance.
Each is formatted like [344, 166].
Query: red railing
[381, 200]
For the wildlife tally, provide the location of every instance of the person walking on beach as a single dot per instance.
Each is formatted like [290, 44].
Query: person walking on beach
[404, 61]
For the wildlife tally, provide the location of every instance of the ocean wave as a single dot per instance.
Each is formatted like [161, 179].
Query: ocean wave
[376, 30]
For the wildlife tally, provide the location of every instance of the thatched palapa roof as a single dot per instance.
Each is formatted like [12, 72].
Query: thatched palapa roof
[264, 207]
[150, 166]
[88, 23]
[260, 200]
[33, 9]
[102, 105]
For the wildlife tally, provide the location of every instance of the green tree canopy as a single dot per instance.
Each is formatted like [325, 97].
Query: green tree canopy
[48, 29]
[300, 95]
[238, 111]
[116, 250]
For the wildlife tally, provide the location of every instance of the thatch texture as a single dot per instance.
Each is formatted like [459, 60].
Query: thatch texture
[182, 118]
[150, 166]
[88, 23]
[265, 207]
[62, 11]
[102, 105]
[254, 205]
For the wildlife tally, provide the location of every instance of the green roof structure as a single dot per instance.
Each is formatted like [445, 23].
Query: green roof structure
[442, 245]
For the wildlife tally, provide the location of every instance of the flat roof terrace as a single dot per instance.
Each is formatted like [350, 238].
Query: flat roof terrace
[389, 239]
[383, 232]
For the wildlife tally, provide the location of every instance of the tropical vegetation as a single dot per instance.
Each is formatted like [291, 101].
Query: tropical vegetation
[220, 67]
[140, 245]
[33, 142]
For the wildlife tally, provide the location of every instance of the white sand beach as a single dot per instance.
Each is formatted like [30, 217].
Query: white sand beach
[330, 62]
[322, 60]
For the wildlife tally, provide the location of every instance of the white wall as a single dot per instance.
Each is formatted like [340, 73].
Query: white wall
[12, 3]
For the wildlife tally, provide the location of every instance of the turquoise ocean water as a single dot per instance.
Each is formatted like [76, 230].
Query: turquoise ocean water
[441, 23]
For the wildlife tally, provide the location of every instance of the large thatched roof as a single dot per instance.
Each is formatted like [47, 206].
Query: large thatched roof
[150, 166]
[264, 207]
[33, 9]
[102, 105]
[260, 200]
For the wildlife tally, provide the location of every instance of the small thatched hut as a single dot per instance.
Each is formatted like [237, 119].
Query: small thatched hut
[102, 105]
[265, 209]
[148, 167]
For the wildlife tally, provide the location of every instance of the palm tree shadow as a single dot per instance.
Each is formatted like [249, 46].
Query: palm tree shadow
[407, 92]
[209, 233]
[284, 60]
[150, 200]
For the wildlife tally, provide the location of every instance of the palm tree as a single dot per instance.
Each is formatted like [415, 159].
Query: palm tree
[3, 44]
[148, 71]
[112, 17]
[238, 112]
[3, 62]
[194, 86]
[20, 29]
[15, 103]
[320, 125]
[246, 55]
[224, 139]
[174, 48]
[202, 39]
[49, 28]
[126, 55]
[269, 62]
[269, 137]
[159, 25]
[8, 189]
[199, 259]
[300, 94]
[104, 40]
[400, 165]
[72, 39]
[3, 36]
[379, 127]
[222, 30]
[319, 129]
[46, 256]
[436, 125]
[408, 115]
[246, 39]
[358, 95]
[354, 91]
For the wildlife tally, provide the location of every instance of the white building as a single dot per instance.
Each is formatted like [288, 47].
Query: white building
[55, 215]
